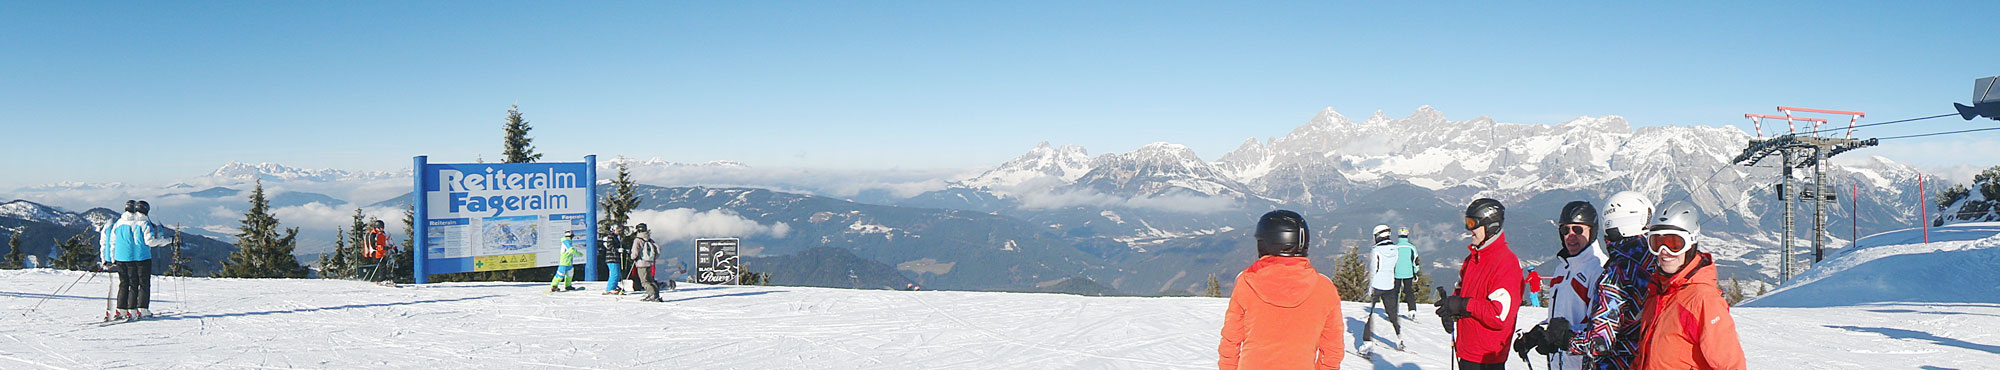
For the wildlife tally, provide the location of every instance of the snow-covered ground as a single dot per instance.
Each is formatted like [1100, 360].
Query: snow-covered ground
[235, 323]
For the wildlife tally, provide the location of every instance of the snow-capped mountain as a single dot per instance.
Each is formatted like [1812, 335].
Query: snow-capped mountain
[32, 211]
[1329, 164]
[278, 172]
[1041, 167]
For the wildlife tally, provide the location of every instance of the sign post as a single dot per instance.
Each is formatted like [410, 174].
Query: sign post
[501, 216]
[715, 261]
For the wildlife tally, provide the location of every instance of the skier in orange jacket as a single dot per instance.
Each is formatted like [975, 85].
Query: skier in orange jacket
[1282, 314]
[1687, 323]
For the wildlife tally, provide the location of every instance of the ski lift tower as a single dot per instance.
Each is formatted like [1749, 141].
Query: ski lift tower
[1799, 151]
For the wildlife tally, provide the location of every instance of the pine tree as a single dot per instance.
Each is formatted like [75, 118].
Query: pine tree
[1423, 293]
[1350, 275]
[519, 147]
[79, 253]
[177, 265]
[1735, 291]
[1214, 287]
[260, 251]
[403, 268]
[335, 265]
[624, 198]
[13, 260]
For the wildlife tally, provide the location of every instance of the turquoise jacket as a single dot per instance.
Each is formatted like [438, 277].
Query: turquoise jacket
[1406, 259]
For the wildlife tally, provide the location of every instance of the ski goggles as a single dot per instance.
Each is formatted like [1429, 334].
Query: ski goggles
[1674, 242]
[1471, 224]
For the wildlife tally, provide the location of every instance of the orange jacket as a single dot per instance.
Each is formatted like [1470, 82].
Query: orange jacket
[377, 244]
[1687, 323]
[1282, 315]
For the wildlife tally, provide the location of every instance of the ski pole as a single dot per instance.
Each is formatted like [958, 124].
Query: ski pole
[109, 289]
[59, 290]
[1453, 358]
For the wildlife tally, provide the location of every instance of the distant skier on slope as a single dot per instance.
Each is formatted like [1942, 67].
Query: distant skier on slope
[1482, 312]
[1282, 313]
[612, 248]
[1573, 285]
[1534, 288]
[566, 264]
[1406, 270]
[374, 252]
[1687, 321]
[1382, 285]
[644, 252]
[127, 244]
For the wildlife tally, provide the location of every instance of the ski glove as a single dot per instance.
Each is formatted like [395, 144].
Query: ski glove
[1449, 309]
[1452, 308]
[1558, 334]
[1530, 341]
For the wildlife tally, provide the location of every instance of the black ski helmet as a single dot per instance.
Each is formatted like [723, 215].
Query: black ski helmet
[1283, 233]
[131, 206]
[640, 228]
[1577, 213]
[142, 207]
[378, 224]
[1487, 213]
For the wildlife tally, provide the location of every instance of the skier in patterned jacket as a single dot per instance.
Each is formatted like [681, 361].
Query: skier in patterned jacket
[1610, 338]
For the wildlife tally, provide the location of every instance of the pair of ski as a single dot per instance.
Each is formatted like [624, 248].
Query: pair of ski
[1366, 349]
[110, 321]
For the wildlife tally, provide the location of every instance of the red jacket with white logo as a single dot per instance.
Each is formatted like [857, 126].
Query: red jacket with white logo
[1490, 280]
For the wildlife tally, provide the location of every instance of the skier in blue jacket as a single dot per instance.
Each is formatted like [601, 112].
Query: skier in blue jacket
[127, 245]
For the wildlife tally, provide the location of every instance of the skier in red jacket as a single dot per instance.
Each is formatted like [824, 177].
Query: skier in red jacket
[1482, 312]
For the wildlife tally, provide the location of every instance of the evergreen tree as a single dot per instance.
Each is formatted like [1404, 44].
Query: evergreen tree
[1350, 275]
[336, 265]
[177, 265]
[261, 252]
[624, 198]
[79, 253]
[403, 267]
[13, 260]
[1735, 291]
[1214, 287]
[519, 147]
[1423, 292]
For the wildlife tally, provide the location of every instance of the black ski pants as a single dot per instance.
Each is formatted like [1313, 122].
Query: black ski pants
[1408, 286]
[135, 284]
[1469, 365]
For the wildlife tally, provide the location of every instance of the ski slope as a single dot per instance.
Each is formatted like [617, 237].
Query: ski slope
[265, 324]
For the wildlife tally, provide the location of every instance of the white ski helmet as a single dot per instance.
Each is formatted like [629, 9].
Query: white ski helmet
[1678, 216]
[1382, 234]
[1625, 215]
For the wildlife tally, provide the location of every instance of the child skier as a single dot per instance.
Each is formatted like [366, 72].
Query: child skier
[565, 265]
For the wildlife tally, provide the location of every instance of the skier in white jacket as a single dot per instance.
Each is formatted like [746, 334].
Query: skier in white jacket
[1573, 284]
[1382, 284]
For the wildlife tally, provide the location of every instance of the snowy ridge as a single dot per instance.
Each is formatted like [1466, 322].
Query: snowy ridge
[32, 211]
[1041, 166]
[278, 172]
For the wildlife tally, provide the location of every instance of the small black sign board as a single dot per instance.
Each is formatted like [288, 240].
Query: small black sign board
[715, 261]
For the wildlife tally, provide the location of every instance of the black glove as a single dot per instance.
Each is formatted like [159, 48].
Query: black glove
[1449, 309]
[107, 267]
[1530, 341]
[1452, 308]
[1559, 334]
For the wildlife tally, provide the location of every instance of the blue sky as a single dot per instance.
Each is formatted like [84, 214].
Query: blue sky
[151, 92]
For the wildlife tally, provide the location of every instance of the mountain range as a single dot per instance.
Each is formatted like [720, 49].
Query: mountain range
[1159, 218]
